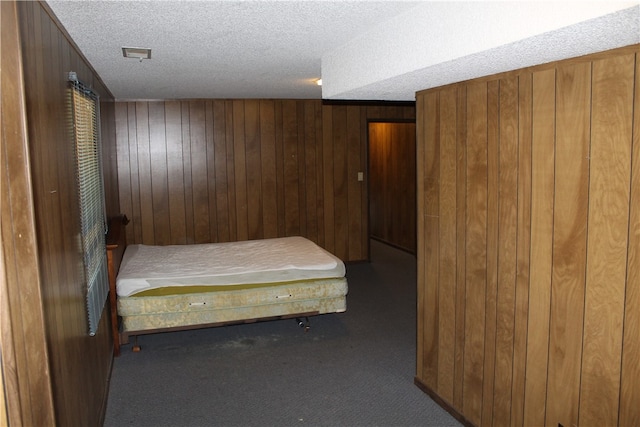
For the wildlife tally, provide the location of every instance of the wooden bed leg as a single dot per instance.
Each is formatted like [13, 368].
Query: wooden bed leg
[136, 348]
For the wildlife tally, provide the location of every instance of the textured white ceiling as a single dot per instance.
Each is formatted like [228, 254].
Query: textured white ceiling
[381, 50]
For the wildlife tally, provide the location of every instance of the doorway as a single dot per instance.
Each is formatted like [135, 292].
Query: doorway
[392, 183]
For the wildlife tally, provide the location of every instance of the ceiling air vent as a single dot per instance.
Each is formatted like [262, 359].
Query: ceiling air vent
[136, 52]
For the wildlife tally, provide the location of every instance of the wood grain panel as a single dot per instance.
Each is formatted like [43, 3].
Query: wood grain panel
[211, 164]
[447, 242]
[542, 209]
[630, 386]
[290, 164]
[506, 249]
[476, 250]
[240, 169]
[268, 167]
[320, 174]
[340, 170]
[29, 394]
[546, 202]
[354, 187]
[569, 250]
[490, 303]
[308, 170]
[231, 181]
[79, 365]
[421, 248]
[431, 242]
[175, 174]
[365, 234]
[246, 169]
[523, 248]
[220, 175]
[199, 176]
[406, 216]
[461, 238]
[188, 180]
[254, 171]
[301, 156]
[159, 174]
[145, 186]
[313, 124]
[607, 243]
[328, 162]
[136, 213]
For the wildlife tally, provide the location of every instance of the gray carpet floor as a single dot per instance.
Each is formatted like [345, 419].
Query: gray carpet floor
[351, 369]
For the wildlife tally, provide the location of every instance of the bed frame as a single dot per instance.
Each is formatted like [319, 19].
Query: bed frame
[116, 244]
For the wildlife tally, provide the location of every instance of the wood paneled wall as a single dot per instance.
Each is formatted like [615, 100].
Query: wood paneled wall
[226, 170]
[23, 351]
[392, 183]
[529, 244]
[79, 364]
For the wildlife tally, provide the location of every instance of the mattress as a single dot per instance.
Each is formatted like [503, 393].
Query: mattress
[277, 261]
[317, 296]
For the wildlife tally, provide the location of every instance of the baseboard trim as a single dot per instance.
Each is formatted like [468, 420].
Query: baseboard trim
[443, 403]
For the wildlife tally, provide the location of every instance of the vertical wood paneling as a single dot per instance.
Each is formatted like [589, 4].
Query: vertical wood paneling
[607, 242]
[254, 169]
[490, 306]
[211, 164]
[300, 162]
[26, 378]
[240, 170]
[461, 238]
[268, 168]
[421, 250]
[523, 247]
[290, 164]
[136, 214]
[222, 170]
[328, 166]
[145, 186]
[354, 187]
[320, 173]
[630, 386]
[340, 170]
[506, 250]
[310, 170]
[431, 249]
[175, 174]
[77, 365]
[569, 251]
[447, 242]
[231, 181]
[476, 250]
[159, 174]
[542, 208]
[365, 233]
[546, 291]
[198, 171]
[124, 171]
[188, 181]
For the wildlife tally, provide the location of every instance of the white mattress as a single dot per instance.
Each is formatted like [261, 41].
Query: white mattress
[282, 259]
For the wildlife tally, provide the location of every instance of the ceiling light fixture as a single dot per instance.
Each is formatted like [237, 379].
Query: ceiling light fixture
[136, 52]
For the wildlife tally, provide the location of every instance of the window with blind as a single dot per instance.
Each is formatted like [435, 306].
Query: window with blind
[86, 131]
